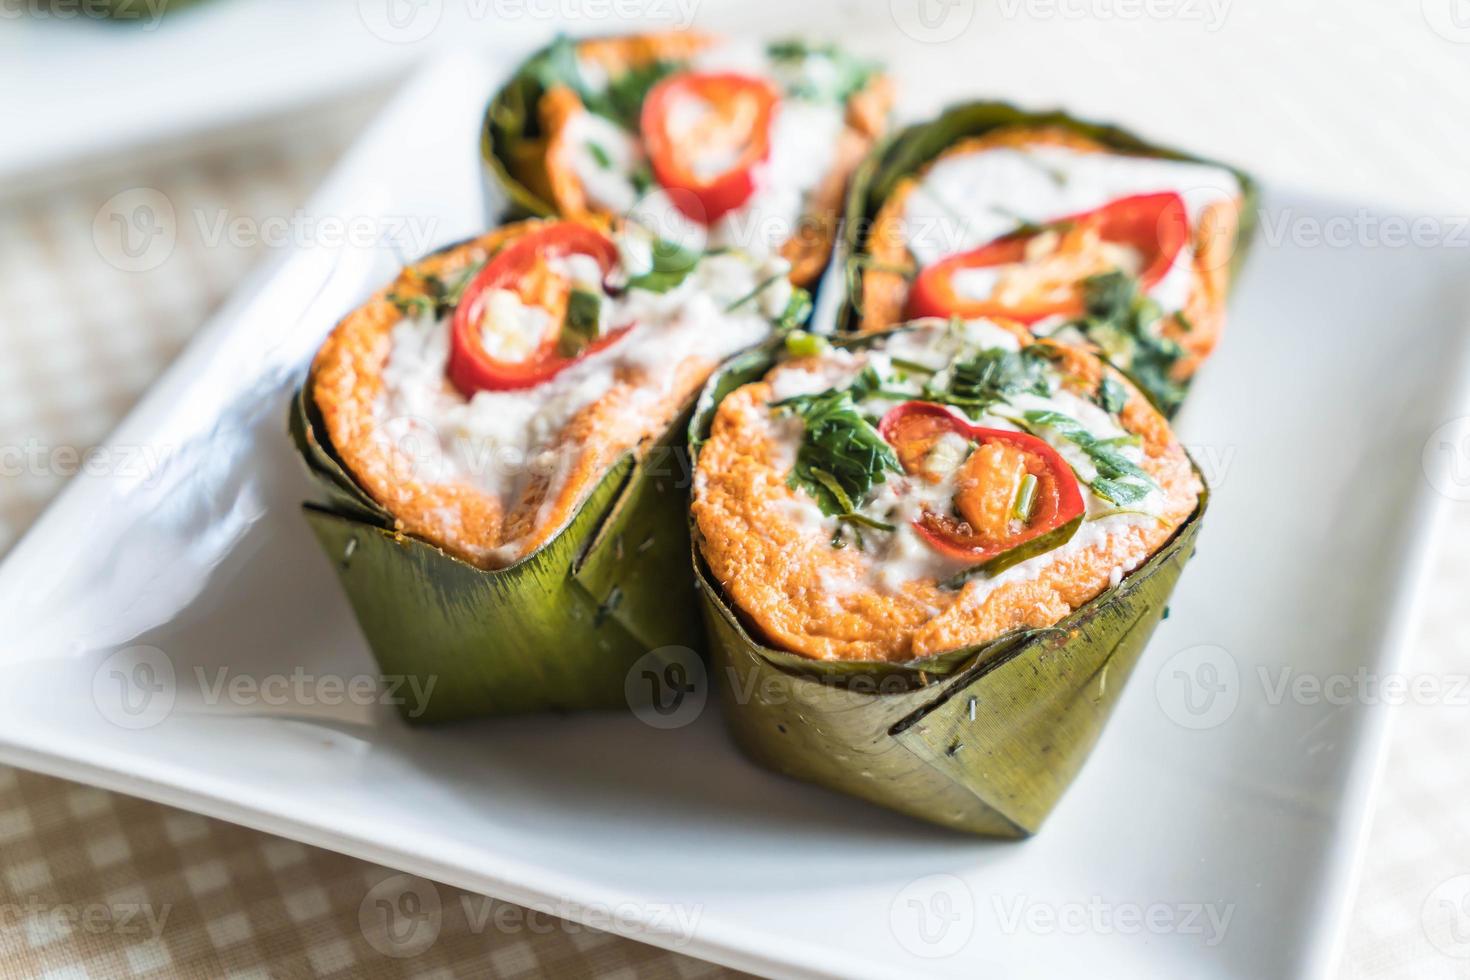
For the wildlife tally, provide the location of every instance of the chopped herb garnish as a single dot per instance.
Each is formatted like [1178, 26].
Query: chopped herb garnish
[1111, 395]
[833, 486]
[866, 384]
[642, 178]
[439, 296]
[798, 305]
[557, 66]
[1120, 492]
[619, 99]
[914, 367]
[1122, 321]
[622, 100]
[1117, 511]
[798, 310]
[799, 343]
[671, 266]
[848, 76]
[1025, 227]
[760, 287]
[1057, 175]
[990, 376]
[600, 154]
[994, 375]
[866, 521]
[1025, 501]
[841, 456]
[580, 328]
[414, 305]
[1119, 479]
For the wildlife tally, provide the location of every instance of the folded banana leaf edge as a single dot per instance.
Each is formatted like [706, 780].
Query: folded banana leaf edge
[511, 140]
[983, 739]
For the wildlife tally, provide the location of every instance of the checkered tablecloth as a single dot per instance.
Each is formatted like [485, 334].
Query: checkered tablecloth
[93, 884]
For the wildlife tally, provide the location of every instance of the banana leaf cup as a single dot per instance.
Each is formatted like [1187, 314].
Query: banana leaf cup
[881, 271]
[557, 621]
[983, 739]
[558, 630]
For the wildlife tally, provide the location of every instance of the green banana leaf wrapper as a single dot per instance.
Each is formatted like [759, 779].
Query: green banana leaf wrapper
[984, 740]
[511, 139]
[558, 630]
[909, 149]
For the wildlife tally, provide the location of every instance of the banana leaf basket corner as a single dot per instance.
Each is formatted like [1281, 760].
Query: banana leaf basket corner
[558, 630]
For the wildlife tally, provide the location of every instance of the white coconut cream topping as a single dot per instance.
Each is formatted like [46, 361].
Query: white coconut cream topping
[498, 440]
[902, 554]
[805, 129]
[969, 199]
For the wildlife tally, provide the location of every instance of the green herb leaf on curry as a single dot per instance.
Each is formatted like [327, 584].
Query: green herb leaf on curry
[841, 456]
[1124, 322]
[1111, 395]
[581, 326]
[1119, 480]
[671, 266]
[798, 310]
[620, 99]
[848, 74]
[993, 376]
[440, 294]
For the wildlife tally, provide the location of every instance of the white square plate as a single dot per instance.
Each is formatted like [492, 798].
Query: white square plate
[1212, 833]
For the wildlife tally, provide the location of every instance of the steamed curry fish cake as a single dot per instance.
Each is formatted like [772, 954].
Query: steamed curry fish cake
[482, 396]
[934, 490]
[711, 142]
[1068, 236]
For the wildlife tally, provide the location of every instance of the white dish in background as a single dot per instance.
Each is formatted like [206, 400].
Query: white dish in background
[1311, 420]
[207, 74]
[95, 87]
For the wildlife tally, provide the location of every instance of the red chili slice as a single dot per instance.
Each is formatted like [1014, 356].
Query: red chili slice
[1157, 225]
[736, 126]
[522, 267]
[987, 531]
